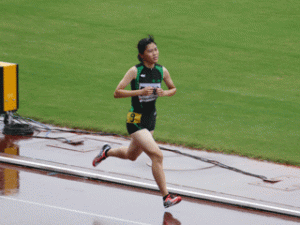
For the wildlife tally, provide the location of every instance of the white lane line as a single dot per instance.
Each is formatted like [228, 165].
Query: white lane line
[197, 195]
[74, 211]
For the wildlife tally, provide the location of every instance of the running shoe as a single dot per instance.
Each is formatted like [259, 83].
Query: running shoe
[102, 155]
[171, 200]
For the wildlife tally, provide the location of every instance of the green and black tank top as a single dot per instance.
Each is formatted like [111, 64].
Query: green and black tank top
[146, 77]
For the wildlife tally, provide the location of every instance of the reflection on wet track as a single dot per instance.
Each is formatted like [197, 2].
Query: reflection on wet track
[30, 196]
[9, 179]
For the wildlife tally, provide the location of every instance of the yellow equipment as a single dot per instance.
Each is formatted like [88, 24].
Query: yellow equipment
[9, 98]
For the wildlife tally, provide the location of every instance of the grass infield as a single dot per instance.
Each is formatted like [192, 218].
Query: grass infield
[235, 64]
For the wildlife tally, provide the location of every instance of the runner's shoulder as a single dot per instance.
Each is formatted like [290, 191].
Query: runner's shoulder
[132, 72]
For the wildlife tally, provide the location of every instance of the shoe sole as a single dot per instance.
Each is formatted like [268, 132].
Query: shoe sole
[97, 160]
[173, 203]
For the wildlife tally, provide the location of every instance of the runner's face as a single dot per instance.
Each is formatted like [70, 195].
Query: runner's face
[151, 54]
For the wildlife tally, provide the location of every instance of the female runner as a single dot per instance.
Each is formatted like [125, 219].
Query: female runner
[145, 79]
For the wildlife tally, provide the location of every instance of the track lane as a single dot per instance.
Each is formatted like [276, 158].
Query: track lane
[29, 196]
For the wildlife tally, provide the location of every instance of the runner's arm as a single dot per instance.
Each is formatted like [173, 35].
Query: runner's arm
[168, 81]
[120, 91]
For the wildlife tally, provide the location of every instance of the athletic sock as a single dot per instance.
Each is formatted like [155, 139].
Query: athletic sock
[106, 151]
[165, 197]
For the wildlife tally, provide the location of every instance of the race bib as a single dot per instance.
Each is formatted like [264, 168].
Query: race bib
[133, 117]
[151, 97]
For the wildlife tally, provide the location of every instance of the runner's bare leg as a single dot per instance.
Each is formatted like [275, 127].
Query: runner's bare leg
[142, 140]
[145, 140]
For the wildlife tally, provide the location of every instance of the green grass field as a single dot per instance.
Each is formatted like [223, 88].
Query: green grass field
[235, 64]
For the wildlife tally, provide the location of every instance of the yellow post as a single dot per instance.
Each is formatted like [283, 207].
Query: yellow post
[9, 98]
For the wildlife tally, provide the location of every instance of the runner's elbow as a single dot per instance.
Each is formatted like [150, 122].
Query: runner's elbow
[175, 90]
[117, 94]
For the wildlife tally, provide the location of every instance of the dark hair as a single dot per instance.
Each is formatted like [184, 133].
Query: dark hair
[143, 44]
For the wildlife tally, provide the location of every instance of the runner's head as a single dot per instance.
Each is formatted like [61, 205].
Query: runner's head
[142, 45]
[148, 51]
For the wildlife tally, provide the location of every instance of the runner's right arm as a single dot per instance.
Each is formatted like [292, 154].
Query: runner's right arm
[120, 91]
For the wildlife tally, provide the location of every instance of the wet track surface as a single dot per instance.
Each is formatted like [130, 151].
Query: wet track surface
[31, 196]
[50, 181]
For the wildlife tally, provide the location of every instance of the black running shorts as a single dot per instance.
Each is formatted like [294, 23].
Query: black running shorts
[137, 121]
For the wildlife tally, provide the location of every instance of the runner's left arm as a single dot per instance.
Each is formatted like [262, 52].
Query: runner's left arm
[169, 82]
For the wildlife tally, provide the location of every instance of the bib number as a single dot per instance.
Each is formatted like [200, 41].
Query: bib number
[133, 117]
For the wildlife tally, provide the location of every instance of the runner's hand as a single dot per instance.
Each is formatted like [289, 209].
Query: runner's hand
[160, 92]
[147, 91]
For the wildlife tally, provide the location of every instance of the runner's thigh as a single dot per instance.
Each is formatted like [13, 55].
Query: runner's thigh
[145, 140]
[134, 150]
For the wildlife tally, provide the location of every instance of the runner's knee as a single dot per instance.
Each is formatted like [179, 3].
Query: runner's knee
[132, 157]
[157, 156]
[133, 154]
